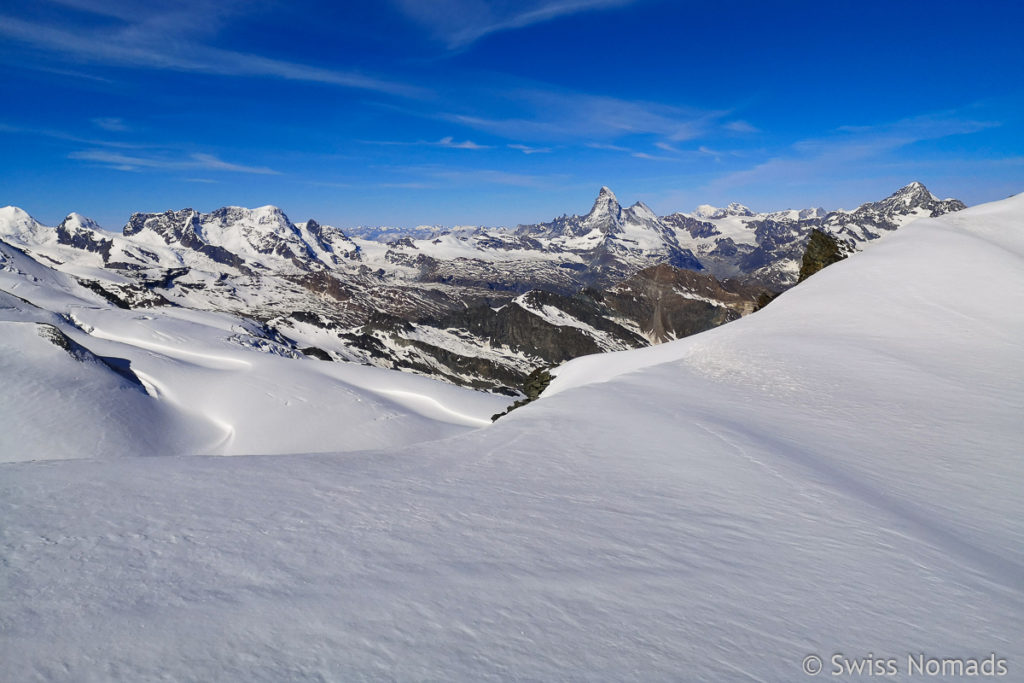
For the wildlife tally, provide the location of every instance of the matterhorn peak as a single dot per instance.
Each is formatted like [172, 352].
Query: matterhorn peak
[605, 205]
[606, 213]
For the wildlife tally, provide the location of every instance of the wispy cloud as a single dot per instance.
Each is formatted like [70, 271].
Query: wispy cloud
[652, 157]
[125, 162]
[447, 142]
[610, 148]
[543, 114]
[740, 127]
[465, 144]
[412, 185]
[636, 154]
[812, 159]
[69, 137]
[526, 149]
[168, 40]
[112, 124]
[207, 181]
[459, 23]
[463, 177]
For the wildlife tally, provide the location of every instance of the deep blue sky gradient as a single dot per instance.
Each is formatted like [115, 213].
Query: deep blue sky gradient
[450, 112]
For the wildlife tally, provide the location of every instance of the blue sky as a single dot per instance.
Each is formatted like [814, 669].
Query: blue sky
[406, 112]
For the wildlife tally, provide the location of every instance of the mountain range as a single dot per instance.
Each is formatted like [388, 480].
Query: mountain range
[478, 307]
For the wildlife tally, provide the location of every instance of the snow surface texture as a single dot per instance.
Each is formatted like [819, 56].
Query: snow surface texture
[838, 473]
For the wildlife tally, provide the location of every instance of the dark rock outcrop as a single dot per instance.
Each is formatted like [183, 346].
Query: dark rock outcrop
[822, 251]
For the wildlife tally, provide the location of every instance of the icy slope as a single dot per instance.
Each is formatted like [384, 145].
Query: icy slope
[839, 473]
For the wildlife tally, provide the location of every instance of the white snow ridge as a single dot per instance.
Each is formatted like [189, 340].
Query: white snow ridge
[840, 472]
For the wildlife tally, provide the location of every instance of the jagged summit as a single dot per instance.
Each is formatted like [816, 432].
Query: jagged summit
[606, 212]
[914, 194]
[642, 211]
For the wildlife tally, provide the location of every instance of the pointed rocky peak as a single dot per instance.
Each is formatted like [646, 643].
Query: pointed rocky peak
[605, 204]
[913, 194]
[643, 212]
[911, 199]
[606, 214]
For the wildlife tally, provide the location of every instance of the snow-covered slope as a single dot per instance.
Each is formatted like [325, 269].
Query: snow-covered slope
[838, 473]
[84, 378]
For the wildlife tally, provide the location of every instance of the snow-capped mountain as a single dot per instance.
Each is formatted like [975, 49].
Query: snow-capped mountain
[708, 212]
[613, 242]
[767, 247]
[481, 307]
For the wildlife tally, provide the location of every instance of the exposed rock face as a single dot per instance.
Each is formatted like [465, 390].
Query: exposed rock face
[81, 233]
[119, 366]
[822, 250]
[184, 228]
[668, 303]
[533, 386]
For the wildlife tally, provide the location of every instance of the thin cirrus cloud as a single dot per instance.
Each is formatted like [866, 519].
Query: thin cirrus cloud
[526, 149]
[811, 159]
[636, 154]
[740, 126]
[110, 123]
[161, 41]
[460, 23]
[447, 142]
[436, 174]
[68, 137]
[548, 115]
[652, 157]
[125, 162]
